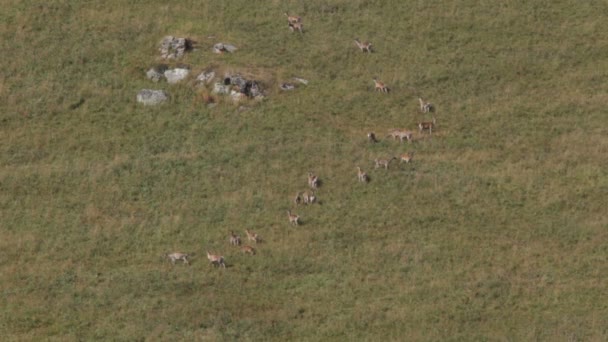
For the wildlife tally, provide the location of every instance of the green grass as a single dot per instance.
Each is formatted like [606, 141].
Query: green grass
[496, 232]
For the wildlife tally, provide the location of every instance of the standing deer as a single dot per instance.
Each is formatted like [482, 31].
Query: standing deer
[426, 107]
[362, 176]
[216, 260]
[429, 126]
[235, 240]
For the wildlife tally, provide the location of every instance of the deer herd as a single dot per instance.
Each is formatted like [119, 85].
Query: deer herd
[308, 197]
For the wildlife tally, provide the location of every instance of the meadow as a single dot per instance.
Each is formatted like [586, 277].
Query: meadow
[497, 231]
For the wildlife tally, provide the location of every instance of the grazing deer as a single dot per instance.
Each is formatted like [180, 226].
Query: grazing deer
[393, 133]
[313, 181]
[427, 126]
[407, 157]
[426, 107]
[173, 257]
[362, 175]
[372, 137]
[216, 260]
[380, 86]
[296, 27]
[384, 162]
[251, 236]
[312, 198]
[407, 135]
[248, 250]
[293, 19]
[235, 240]
[293, 218]
[365, 46]
[298, 199]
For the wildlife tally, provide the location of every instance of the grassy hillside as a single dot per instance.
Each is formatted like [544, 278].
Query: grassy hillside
[497, 231]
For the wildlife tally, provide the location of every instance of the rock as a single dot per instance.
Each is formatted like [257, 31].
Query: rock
[287, 86]
[237, 96]
[150, 97]
[156, 73]
[222, 47]
[219, 88]
[172, 47]
[175, 75]
[236, 80]
[205, 77]
[301, 80]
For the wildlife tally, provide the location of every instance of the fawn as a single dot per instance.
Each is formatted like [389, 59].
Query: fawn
[407, 157]
[293, 218]
[251, 236]
[248, 250]
[372, 137]
[293, 19]
[380, 86]
[362, 175]
[296, 27]
[313, 181]
[365, 46]
[384, 162]
[426, 107]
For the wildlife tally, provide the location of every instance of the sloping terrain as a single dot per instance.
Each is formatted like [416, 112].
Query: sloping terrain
[496, 231]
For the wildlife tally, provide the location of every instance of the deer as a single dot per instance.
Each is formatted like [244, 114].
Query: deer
[251, 236]
[293, 19]
[298, 199]
[173, 257]
[407, 135]
[426, 107]
[380, 86]
[293, 218]
[362, 176]
[248, 250]
[216, 260]
[235, 240]
[365, 46]
[372, 137]
[296, 27]
[407, 157]
[309, 197]
[313, 181]
[383, 162]
[426, 125]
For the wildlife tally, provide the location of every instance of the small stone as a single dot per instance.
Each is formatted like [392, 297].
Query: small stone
[150, 97]
[156, 73]
[220, 88]
[287, 86]
[301, 80]
[205, 77]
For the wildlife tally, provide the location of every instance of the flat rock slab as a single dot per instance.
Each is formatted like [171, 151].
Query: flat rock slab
[175, 75]
[150, 97]
[223, 47]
